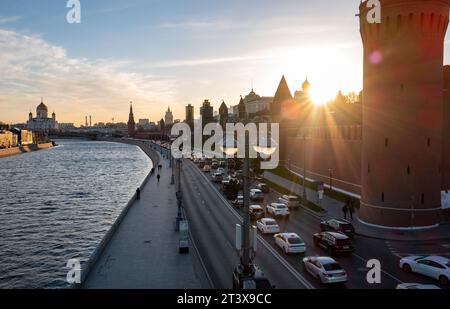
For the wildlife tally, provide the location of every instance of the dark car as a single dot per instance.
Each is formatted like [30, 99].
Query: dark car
[257, 280]
[256, 212]
[334, 243]
[338, 225]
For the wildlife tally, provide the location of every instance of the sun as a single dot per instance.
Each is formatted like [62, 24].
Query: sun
[321, 94]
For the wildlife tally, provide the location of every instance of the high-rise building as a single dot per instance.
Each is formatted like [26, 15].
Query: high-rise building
[131, 123]
[242, 110]
[168, 118]
[223, 113]
[403, 104]
[189, 114]
[207, 112]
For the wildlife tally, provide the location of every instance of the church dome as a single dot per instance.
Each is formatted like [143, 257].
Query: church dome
[42, 107]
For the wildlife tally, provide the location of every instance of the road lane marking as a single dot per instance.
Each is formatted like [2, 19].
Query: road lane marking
[286, 264]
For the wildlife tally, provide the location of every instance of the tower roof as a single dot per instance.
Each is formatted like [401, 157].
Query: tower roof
[283, 93]
[306, 85]
[223, 105]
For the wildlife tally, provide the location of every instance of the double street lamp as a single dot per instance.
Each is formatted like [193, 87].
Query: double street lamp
[230, 148]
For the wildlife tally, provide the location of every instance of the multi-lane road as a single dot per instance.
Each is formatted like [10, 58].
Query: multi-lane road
[212, 221]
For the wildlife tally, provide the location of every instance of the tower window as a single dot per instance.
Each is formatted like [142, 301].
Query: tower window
[386, 142]
[382, 196]
[429, 142]
[423, 199]
[368, 168]
[408, 170]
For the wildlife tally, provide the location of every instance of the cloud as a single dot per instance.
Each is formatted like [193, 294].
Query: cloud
[73, 87]
[9, 19]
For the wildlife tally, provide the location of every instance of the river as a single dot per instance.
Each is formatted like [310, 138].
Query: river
[57, 204]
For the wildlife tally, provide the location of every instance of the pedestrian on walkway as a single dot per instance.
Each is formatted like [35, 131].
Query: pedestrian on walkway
[158, 177]
[351, 210]
[152, 171]
[138, 194]
[345, 209]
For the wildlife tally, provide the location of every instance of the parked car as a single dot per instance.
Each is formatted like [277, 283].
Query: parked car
[256, 195]
[263, 187]
[223, 163]
[239, 201]
[416, 286]
[278, 210]
[325, 269]
[217, 177]
[290, 243]
[334, 243]
[338, 225]
[207, 168]
[214, 165]
[435, 267]
[291, 201]
[256, 212]
[220, 170]
[268, 226]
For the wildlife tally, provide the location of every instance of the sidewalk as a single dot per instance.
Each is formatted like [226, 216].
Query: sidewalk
[143, 253]
[334, 210]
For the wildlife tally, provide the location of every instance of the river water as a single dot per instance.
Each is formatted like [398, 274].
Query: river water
[57, 204]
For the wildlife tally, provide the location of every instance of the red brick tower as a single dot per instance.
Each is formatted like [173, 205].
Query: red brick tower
[131, 122]
[403, 112]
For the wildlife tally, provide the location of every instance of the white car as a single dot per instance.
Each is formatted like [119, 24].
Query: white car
[436, 267]
[268, 226]
[325, 269]
[239, 202]
[256, 195]
[278, 210]
[290, 243]
[417, 286]
[221, 170]
[290, 201]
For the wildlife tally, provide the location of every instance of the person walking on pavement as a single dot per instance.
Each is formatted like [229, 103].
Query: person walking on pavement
[138, 194]
[345, 209]
[158, 177]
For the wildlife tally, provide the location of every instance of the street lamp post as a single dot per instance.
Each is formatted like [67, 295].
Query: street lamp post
[179, 195]
[331, 179]
[304, 168]
[246, 261]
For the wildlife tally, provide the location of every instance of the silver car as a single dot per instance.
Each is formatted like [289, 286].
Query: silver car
[325, 269]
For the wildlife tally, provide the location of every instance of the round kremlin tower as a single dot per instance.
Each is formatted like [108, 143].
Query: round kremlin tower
[403, 113]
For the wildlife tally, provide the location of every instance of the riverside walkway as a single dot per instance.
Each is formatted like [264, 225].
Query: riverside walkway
[143, 251]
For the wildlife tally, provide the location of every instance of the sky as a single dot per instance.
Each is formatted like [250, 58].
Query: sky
[160, 53]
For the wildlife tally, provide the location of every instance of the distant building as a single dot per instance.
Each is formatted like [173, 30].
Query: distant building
[131, 123]
[207, 112]
[242, 113]
[223, 114]
[189, 114]
[42, 122]
[168, 118]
